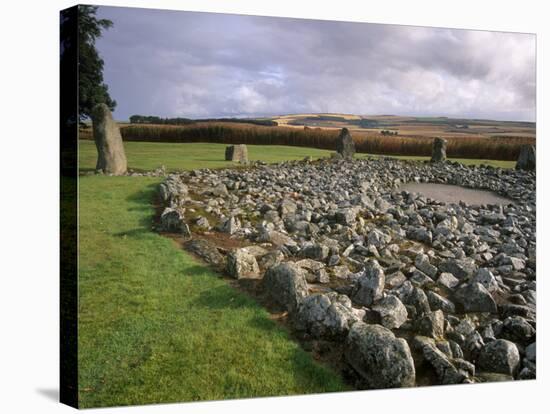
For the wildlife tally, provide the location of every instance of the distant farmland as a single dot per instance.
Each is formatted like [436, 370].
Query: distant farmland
[476, 139]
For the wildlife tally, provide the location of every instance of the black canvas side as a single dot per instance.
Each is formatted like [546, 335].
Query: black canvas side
[69, 206]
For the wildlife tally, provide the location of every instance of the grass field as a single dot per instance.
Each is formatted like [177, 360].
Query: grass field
[157, 326]
[149, 155]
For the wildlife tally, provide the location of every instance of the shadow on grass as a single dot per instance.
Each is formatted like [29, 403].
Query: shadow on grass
[144, 200]
[221, 297]
[134, 233]
[145, 195]
[199, 269]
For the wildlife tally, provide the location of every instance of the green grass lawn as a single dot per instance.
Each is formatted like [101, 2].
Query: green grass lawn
[150, 155]
[157, 326]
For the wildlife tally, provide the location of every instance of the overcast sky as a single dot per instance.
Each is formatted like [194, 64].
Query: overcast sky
[201, 65]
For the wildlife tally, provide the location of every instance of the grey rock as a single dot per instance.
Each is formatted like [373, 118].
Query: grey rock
[341, 272]
[277, 238]
[219, 190]
[205, 250]
[381, 359]
[517, 329]
[255, 250]
[419, 278]
[377, 238]
[172, 220]
[500, 356]
[448, 280]
[420, 234]
[370, 285]
[392, 312]
[203, 223]
[394, 280]
[172, 189]
[230, 225]
[461, 269]
[473, 345]
[487, 279]
[447, 370]
[418, 300]
[271, 258]
[465, 327]
[531, 352]
[439, 302]
[422, 263]
[456, 349]
[326, 316]
[475, 298]
[527, 374]
[432, 324]
[316, 272]
[346, 216]
[311, 265]
[333, 260]
[315, 251]
[287, 207]
[242, 265]
[286, 285]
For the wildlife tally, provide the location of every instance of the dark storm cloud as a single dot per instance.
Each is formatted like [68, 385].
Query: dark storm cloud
[212, 65]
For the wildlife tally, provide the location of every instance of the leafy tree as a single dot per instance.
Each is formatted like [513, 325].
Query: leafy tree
[91, 88]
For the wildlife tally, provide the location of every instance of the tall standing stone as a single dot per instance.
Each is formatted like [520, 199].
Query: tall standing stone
[344, 144]
[439, 150]
[237, 153]
[110, 149]
[527, 158]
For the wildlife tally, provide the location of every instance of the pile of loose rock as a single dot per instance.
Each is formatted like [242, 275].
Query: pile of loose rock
[413, 291]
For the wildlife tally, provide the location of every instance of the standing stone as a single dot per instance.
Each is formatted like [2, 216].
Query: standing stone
[110, 149]
[439, 150]
[344, 144]
[527, 158]
[237, 153]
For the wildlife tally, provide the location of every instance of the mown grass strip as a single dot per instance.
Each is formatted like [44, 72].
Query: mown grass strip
[150, 155]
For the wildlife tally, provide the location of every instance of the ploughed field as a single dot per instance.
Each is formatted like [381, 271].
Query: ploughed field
[393, 288]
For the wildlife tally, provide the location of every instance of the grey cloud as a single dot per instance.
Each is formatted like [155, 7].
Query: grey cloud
[210, 65]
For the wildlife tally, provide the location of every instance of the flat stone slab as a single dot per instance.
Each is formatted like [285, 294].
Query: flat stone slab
[448, 193]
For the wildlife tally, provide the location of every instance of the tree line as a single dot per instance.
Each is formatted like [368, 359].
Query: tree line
[156, 120]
